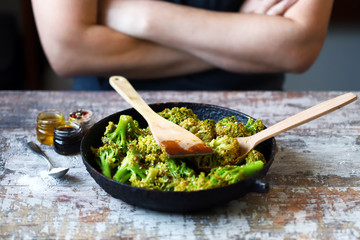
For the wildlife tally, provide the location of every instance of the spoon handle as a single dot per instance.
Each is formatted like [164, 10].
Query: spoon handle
[126, 90]
[305, 116]
[36, 149]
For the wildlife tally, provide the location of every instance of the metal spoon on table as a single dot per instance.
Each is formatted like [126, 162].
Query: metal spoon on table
[53, 172]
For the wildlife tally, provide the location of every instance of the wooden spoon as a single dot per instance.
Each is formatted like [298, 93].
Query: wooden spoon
[175, 140]
[248, 143]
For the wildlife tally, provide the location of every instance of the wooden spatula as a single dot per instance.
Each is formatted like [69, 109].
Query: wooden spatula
[175, 140]
[248, 143]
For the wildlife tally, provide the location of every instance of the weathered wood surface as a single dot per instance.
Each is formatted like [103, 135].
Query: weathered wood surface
[315, 179]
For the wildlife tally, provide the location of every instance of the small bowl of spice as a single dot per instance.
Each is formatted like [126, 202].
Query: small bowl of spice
[85, 118]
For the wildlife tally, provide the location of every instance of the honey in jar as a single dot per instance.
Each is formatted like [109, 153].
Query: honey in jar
[46, 122]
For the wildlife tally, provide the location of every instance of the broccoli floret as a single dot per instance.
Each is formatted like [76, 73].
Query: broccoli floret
[222, 175]
[226, 150]
[148, 145]
[201, 182]
[116, 140]
[205, 130]
[208, 162]
[205, 162]
[149, 149]
[231, 127]
[157, 177]
[105, 164]
[178, 168]
[125, 131]
[177, 115]
[255, 155]
[129, 168]
[180, 174]
[107, 158]
[169, 175]
[230, 174]
[151, 174]
[110, 128]
[253, 127]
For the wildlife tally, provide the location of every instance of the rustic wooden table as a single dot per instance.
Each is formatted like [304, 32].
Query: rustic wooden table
[315, 179]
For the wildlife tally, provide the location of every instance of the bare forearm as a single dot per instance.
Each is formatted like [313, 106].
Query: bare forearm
[233, 41]
[79, 45]
[105, 52]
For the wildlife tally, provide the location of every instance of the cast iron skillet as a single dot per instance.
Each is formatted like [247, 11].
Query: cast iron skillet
[175, 201]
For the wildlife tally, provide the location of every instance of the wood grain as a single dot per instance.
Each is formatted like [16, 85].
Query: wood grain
[315, 179]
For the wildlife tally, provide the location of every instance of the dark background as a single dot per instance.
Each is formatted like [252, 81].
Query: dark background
[24, 66]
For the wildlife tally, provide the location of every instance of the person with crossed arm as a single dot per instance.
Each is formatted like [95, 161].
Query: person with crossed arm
[182, 44]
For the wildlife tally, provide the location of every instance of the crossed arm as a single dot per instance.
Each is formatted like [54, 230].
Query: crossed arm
[146, 39]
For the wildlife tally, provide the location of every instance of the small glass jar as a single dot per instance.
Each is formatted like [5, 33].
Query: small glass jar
[46, 122]
[67, 138]
[83, 117]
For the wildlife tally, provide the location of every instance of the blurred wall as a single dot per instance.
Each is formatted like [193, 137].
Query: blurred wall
[24, 66]
[337, 67]
[12, 72]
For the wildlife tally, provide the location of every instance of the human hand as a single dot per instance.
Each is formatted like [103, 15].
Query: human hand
[268, 7]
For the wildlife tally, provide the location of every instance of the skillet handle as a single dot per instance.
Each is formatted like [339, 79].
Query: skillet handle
[260, 187]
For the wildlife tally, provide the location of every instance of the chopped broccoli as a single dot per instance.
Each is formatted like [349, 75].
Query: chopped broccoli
[126, 130]
[226, 150]
[128, 168]
[177, 115]
[131, 155]
[255, 155]
[205, 130]
[156, 178]
[206, 162]
[178, 168]
[149, 149]
[151, 174]
[108, 156]
[231, 127]
[218, 177]
[253, 127]
[231, 173]
[115, 143]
